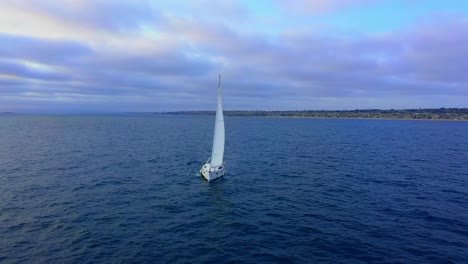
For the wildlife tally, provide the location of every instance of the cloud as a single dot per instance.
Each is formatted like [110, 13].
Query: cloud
[319, 7]
[435, 51]
[42, 50]
[113, 65]
[21, 70]
[99, 15]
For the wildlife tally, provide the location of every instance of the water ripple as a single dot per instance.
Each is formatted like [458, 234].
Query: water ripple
[125, 189]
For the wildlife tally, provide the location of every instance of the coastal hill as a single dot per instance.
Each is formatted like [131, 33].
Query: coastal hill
[424, 114]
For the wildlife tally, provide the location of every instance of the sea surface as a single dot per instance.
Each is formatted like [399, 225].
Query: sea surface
[126, 189]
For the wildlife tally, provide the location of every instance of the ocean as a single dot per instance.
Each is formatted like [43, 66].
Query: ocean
[126, 189]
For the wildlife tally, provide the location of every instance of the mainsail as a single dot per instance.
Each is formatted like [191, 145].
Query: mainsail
[217, 152]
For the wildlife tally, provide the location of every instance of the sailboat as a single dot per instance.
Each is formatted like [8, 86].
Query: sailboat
[214, 168]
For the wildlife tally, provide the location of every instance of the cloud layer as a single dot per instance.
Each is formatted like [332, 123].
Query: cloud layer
[114, 56]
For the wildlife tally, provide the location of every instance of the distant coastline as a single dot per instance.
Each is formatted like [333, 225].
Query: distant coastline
[460, 114]
[436, 114]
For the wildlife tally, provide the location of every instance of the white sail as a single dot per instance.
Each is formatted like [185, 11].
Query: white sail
[217, 152]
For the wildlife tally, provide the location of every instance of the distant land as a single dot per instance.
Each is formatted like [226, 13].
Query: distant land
[417, 114]
[460, 114]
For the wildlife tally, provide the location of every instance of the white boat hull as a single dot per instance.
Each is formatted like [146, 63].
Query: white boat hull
[212, 173]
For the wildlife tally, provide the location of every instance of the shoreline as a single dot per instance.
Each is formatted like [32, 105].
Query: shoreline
[437, 114]
[320, 117]
[372, 118]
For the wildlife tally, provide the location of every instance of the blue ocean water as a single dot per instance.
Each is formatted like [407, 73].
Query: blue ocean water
[125, 189]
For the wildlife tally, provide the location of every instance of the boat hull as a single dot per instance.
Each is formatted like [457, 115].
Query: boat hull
[212, 173]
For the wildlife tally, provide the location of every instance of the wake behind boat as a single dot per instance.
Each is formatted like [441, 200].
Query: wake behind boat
[214, 168]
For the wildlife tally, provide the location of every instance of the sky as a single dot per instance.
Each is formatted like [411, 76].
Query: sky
[100, 56]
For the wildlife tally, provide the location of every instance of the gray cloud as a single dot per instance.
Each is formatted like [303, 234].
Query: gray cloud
[436, 52]
[46, 51]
